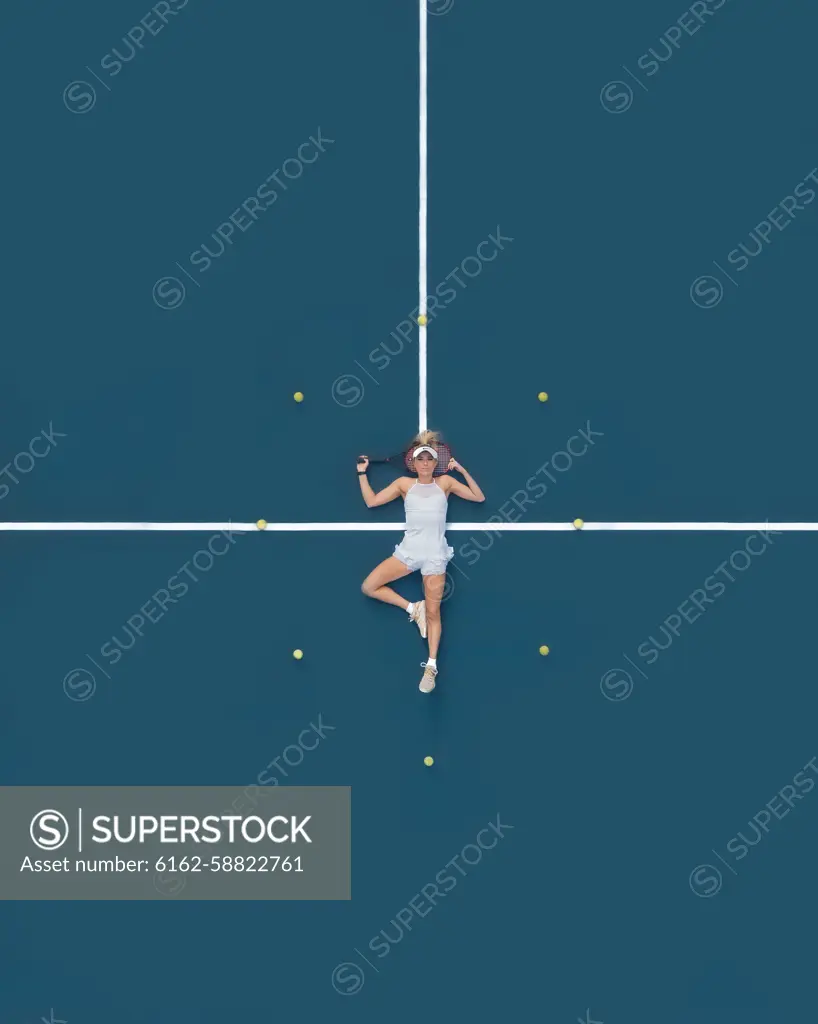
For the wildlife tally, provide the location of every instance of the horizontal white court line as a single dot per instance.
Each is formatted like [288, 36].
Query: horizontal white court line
[398, 527]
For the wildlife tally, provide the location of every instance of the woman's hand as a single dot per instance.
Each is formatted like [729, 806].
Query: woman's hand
[454, 464]
[363, 464]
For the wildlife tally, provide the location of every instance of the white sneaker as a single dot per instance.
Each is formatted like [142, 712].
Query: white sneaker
[427, 683]
[418, 616]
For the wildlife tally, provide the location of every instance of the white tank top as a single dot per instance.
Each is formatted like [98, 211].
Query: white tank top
[425, 507]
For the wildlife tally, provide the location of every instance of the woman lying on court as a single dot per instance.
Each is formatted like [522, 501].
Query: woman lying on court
[424, 543]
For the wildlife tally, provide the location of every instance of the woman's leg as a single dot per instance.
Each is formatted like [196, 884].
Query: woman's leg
[375, 583]
[433, 588]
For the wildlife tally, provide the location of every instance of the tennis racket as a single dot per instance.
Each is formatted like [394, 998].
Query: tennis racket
[403, 460]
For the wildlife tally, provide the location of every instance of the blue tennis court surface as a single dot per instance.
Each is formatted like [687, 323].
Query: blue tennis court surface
[622, 215]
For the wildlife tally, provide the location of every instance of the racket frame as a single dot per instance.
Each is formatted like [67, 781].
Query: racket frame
[404, 459]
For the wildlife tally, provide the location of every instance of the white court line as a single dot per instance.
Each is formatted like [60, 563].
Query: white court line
[488, 527]
[422, 206]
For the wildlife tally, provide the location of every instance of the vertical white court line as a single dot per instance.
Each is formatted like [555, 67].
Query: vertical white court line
[423, 200]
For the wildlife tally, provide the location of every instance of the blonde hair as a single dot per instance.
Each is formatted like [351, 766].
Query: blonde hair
[430, 437]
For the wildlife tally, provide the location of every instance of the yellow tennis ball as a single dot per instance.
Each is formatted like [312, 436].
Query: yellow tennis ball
[578, 523]
[543, 397]
[428, 761]
[544, 650]
[262, 524]
[298, 655]
[422, 320]
[298, 396]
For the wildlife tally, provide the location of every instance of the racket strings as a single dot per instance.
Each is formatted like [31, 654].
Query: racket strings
[444, 455]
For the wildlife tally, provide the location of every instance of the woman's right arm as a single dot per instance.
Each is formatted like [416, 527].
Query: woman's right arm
[382, 497]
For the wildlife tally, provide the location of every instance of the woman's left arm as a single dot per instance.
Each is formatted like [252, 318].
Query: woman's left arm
[470, 490]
